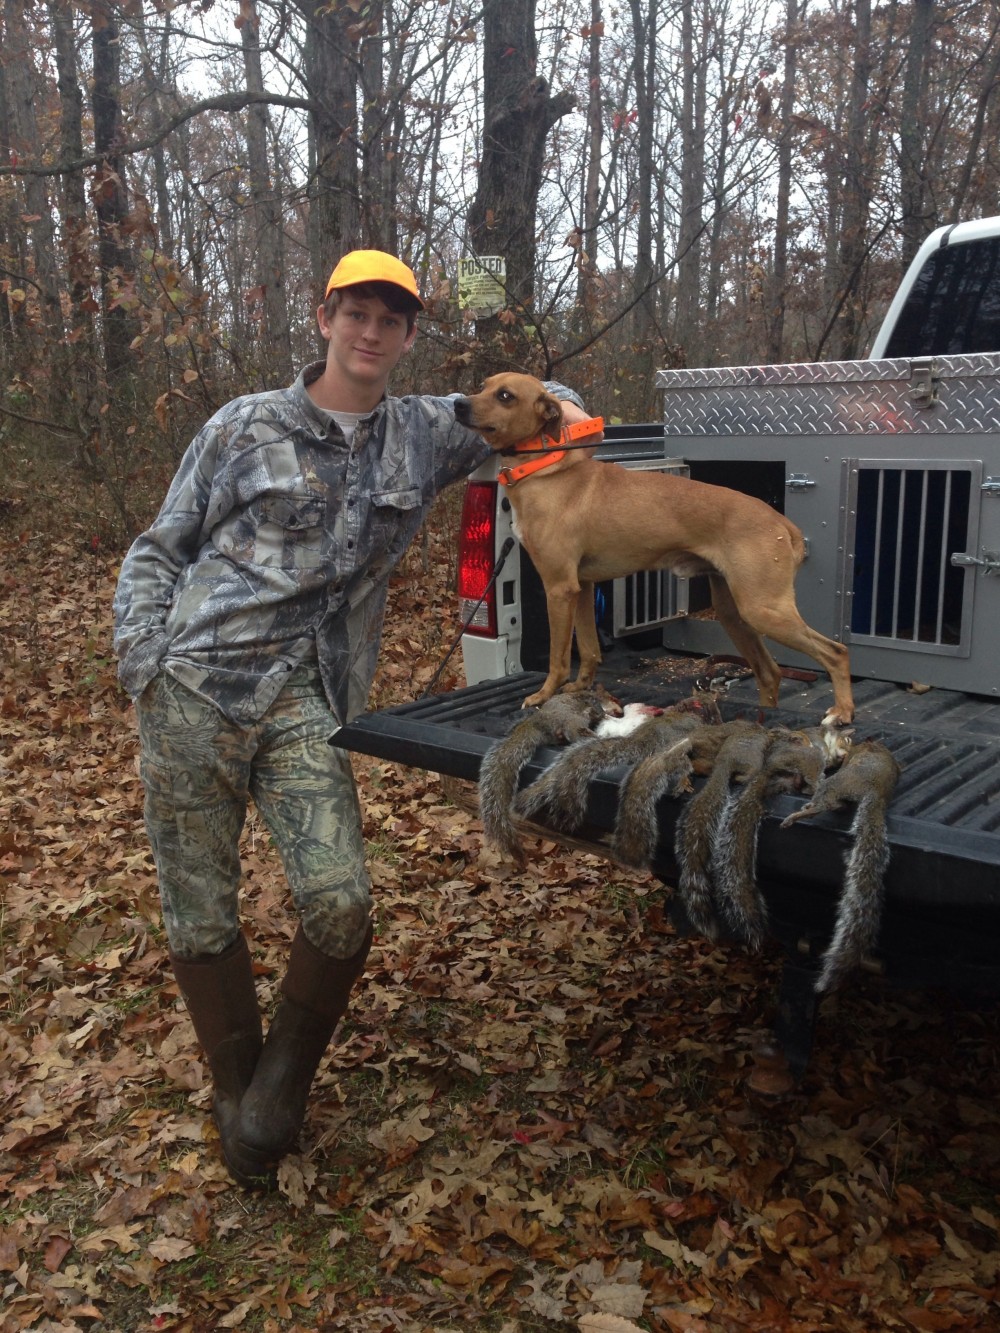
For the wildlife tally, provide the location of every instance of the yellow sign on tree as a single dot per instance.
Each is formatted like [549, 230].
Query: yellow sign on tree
[482, 283]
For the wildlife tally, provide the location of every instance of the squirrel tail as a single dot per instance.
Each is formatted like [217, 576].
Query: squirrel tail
[498, 775]
[695, 835]
[860, 908]
[734, 862]
[561, 791]
[636, 826]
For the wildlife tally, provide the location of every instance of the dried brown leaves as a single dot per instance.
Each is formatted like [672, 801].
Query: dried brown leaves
[534, 1117]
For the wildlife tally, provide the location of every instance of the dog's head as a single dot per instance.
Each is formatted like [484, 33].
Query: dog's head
[509, 409]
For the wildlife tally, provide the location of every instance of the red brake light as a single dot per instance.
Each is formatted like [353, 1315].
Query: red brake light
[476, 558]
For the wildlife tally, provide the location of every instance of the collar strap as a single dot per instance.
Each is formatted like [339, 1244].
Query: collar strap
[547, 453]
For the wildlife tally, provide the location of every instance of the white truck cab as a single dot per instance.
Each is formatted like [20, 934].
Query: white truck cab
[948, 302]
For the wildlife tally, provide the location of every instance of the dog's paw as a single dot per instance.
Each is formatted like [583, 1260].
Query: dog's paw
[838, 717]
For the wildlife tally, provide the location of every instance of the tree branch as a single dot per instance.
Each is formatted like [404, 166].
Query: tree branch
[224, 102]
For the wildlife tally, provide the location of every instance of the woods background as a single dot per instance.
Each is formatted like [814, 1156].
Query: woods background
[535, 1116]
[698, 183]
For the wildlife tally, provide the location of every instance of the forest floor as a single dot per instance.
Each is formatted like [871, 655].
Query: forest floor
[535, 1116]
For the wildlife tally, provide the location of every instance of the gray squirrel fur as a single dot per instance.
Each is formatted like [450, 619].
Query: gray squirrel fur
[666, 771]
[866, 779]
[792, 761]
[561, 791]
[563, 719]
[739, 758]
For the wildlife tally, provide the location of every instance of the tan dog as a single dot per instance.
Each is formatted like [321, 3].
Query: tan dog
[582, 521]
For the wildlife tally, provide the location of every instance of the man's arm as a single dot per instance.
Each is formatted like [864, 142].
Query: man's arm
[154, 563]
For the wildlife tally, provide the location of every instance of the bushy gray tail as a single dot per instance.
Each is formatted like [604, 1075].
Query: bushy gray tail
[695, 836]
[859, 911]
[498, 775]
[561, 791]
[734, 862]
[636, 824]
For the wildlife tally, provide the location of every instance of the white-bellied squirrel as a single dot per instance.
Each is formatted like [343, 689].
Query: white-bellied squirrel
[561, 791]
[867, 778]
[792, 761]
[561, 720]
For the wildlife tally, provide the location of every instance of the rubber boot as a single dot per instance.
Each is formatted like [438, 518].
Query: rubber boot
[221, 998]
[315, 993]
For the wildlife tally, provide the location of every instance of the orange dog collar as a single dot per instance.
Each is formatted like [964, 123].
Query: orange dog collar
[508, 476]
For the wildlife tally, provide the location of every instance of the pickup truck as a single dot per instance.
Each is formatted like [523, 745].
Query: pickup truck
[891, 468]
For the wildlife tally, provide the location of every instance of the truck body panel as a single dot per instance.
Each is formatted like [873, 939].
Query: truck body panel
[892, 471]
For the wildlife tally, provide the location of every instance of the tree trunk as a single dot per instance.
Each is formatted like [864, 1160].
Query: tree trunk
[110, 196]
[644, 21]
[518, 113]
[274, 341]
[379, 161]
[779, 266]
[331, 75]
[692, 190]
[11, 231]
[857, 187]
[915, 223]
[973, 156]
[83, 355]
[42, 271]
[587, 252]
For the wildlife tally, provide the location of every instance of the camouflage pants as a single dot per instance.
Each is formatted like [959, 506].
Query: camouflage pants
[199, 769]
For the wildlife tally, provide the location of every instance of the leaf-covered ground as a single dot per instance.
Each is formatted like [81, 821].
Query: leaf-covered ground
[535, 1117]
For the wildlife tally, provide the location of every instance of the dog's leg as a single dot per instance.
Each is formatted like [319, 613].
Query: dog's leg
[561, 599]
[587, 644]
[748, 642]
[787, 627]
[770, 610]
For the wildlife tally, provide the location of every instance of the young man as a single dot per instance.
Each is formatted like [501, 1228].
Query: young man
[247, 624]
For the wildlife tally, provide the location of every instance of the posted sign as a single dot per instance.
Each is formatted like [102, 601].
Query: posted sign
[482, 284]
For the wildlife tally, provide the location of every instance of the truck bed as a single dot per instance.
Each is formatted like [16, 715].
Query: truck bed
[941, 922]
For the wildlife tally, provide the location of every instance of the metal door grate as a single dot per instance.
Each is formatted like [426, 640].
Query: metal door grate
[906, 519]
[649, 598]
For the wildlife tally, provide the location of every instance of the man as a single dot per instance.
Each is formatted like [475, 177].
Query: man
[247, 623]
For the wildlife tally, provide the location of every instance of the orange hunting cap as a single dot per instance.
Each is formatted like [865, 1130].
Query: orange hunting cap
[373, 266]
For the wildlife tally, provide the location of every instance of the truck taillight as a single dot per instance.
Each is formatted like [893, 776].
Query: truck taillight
[476, 558]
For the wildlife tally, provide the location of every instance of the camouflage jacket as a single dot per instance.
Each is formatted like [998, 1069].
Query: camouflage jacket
[275, 544]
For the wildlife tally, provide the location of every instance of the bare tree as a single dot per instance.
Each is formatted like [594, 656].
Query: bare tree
[518, 113]
[275, 348]
[38, 249]
[794, 12]
[115, 258]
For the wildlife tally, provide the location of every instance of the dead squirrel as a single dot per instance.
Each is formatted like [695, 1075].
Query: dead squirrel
[561, 791]
[739, 757]
[792, 761]
[866, 779]
[666, 771]
[562, 719]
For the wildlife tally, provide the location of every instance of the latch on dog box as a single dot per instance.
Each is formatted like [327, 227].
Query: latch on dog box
[798, 481]
[989, 562]
[923, 382]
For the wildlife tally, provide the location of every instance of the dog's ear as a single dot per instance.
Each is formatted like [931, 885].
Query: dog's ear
[550, 415]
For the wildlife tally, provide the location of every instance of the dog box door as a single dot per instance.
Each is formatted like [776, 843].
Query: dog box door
[916, 557]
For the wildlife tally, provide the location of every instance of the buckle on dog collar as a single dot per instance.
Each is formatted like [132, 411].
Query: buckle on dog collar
[548, 453]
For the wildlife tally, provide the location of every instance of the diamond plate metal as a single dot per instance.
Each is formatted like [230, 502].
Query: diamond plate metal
[835, 398]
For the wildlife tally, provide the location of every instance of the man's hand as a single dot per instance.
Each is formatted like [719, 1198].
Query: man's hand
[571, 414]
